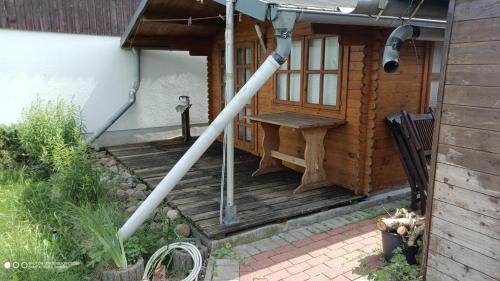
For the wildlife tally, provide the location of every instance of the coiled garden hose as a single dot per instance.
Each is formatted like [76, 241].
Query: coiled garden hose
[158, 257]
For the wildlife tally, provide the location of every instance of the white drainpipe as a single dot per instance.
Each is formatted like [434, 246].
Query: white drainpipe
[230, 208]
[131, 98]
[283, 23]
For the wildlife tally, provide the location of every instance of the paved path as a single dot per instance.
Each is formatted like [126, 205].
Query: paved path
[330, 250]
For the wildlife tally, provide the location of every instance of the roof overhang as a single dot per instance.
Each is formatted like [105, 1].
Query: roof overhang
[164, 24]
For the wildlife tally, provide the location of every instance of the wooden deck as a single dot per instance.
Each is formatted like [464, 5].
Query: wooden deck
[260, 200]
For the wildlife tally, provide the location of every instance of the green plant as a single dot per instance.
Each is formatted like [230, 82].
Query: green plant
[22, 240]
[102, 241]
[397, 269]
[11, 152]
[137, 246]
[48, 129]
[78, 178]
[226, 251]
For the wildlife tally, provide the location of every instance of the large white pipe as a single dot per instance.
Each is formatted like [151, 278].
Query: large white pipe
[265, 71]
[229, 36]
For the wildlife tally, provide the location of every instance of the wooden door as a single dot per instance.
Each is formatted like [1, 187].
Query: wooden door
[244, 129]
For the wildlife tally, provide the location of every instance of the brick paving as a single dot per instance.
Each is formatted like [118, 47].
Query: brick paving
[329, 250]
[330, 255]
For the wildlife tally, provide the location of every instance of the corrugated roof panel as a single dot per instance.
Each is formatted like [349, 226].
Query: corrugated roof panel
[326, 5]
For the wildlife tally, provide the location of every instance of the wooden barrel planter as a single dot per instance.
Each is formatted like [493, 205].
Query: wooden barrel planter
[132, 273]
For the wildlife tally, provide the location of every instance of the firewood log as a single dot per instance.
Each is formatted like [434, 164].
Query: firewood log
[391, 224]
[414, 235]
[402, 230]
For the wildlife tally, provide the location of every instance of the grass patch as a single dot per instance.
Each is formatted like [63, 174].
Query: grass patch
[23, 241]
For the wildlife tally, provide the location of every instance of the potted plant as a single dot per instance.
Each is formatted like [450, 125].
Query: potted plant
[104, 245]
[402, 230]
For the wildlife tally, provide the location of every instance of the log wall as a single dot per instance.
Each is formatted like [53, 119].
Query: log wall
[359, 155]
[95, 17]
[464, 238]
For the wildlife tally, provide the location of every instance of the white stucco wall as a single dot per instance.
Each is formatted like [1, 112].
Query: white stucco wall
[97, 74]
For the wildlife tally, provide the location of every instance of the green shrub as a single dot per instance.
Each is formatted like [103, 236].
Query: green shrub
[11, 152]
[78, 179]
[397, 269]
[50, 127]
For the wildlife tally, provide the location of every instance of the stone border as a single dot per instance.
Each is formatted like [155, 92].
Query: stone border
[274, 229]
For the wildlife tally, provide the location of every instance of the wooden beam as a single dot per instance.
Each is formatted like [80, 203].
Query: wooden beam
[288, 158]
[197, 44]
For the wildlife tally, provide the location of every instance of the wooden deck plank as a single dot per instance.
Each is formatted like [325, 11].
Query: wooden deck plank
[260, 200]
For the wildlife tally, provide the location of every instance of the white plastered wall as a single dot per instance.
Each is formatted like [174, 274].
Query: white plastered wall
[97, 75]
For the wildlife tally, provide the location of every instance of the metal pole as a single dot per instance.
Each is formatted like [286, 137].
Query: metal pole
[230, 208]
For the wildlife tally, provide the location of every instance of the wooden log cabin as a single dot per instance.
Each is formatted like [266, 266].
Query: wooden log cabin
[333, 72]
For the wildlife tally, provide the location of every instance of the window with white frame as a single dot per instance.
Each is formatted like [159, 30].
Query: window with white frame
[311, 74]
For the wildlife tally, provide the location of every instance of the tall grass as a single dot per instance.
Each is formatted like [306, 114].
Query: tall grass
[49, 129]
[23, 241]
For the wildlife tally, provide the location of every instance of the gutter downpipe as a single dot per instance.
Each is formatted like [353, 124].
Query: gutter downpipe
[131, 98]
[393, 44]
[230, 209]
[283, 23]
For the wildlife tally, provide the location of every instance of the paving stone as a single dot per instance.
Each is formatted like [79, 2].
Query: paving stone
[288, 237]
[334, 223]
[264, 244]
[278, 241]
[361, 215]
[297, 234]
[305, 231]
[320, 227]
[226, 262]
[246, 251]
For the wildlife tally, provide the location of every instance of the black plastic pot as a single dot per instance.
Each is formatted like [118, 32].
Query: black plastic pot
[391, 241]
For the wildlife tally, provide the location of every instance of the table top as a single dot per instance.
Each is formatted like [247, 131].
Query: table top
[297, 121]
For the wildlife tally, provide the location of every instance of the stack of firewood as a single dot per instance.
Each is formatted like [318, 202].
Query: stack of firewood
[406, 224]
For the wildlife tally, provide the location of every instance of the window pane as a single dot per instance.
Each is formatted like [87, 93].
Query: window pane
[248, 136]
[248, 56]
[239, 56]
[240, 132]
[248, 113]
[281, 86]
[296, 55]
[313, 88]
[240, 115]
[330, 89]
[240, 80]
[248, 73]
[437, 57]
[331, 53]
[434, 93]
[314, 54]
[295, 87]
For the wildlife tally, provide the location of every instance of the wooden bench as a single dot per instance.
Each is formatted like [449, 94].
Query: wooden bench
[313, 129]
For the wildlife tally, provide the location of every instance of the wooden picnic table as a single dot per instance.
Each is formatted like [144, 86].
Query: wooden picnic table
[313, 129]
